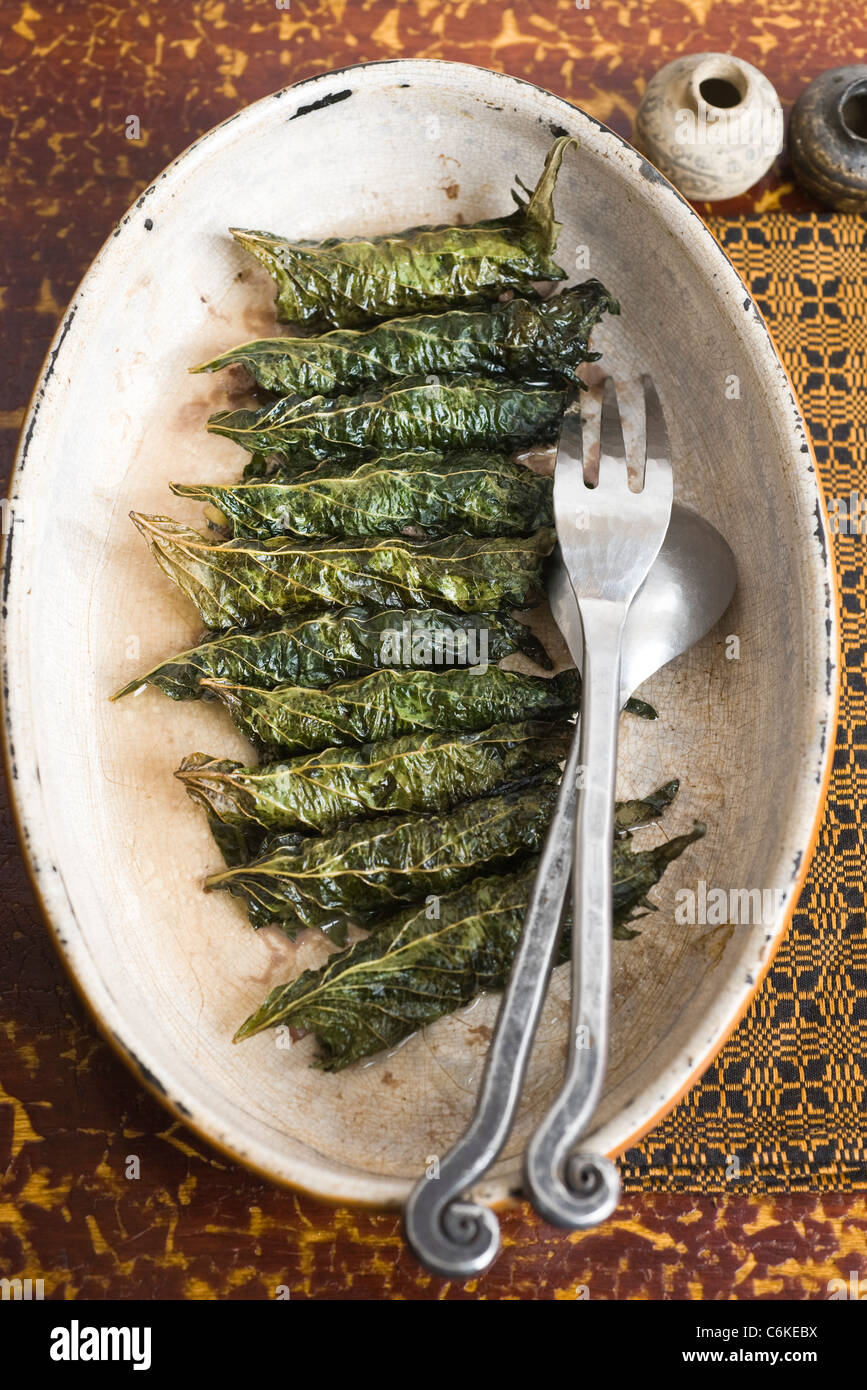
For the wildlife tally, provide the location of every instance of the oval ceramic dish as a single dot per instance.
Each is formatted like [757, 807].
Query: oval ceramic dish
[116, 849]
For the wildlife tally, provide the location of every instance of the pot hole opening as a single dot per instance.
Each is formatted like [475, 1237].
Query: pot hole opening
[719, 91]
[853, 112]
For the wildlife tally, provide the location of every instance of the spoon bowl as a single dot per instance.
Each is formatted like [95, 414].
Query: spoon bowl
[690, 585]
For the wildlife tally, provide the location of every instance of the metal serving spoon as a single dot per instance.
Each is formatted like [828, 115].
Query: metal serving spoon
[688, 589]
[610, 534]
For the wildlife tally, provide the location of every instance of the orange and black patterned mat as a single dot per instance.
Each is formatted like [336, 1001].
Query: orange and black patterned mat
[783, 1106]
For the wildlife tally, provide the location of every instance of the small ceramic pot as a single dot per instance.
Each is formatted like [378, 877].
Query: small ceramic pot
[828, 138]
[711, 123]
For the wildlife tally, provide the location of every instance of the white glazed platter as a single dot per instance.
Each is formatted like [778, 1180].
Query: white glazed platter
[115, 848]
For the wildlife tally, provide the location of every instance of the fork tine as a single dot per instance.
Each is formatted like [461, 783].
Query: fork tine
[612, 448]
[657, 466]
[571, 443]
[611, 443]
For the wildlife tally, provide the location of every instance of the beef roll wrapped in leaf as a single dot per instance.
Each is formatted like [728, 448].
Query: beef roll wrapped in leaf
[245, 582]
[419, 965]
[347, 283]
[476, 494]
[388, 704]
[445, 414]
[316, 648]
[533, 339]
[370, 868]
[321, 792]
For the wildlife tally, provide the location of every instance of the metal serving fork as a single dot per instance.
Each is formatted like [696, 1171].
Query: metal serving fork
[458, 1237]
[609, 538]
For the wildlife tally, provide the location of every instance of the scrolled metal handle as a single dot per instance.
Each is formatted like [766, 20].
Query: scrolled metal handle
[581, 1193]
[456, 1237]
[567, 1189]
[453, 1238]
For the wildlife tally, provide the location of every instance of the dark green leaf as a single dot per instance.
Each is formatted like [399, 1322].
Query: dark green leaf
[412, 970]
[532, 339]
[635, 873]
[317, 648]
[373, 866]
[428, 960]
[640, 708]
[447, 415]
[245, 582]
[349, 283]
[388, 704]
[322, 791]
[477, 494]
[632, 814]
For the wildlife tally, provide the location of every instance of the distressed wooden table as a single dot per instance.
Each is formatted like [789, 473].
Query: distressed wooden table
[183, 1222]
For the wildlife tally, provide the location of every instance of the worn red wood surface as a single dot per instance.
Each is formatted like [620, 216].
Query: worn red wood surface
[193, 1225]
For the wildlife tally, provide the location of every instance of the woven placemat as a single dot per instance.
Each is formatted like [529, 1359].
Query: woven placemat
[782, 1107]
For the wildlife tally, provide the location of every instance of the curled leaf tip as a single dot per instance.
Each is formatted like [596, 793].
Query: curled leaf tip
[130, 688]
[146, 521]
[243, 236]
[257, 1022]
[218, 424]
[213, 364]
[257, 243]
[194, 765]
